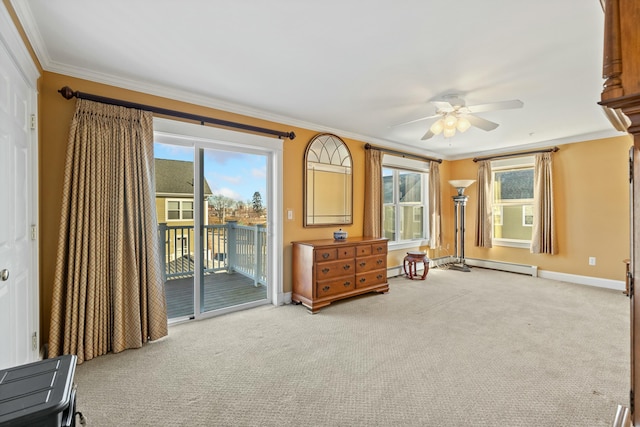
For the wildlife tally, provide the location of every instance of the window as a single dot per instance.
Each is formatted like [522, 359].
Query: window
[179, 210]
[405, 199]
[512, 201]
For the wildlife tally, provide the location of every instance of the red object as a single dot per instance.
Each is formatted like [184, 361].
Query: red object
[411, 260]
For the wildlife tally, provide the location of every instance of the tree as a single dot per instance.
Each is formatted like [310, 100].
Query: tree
[220, 204]
[241, 207]
[257, 203]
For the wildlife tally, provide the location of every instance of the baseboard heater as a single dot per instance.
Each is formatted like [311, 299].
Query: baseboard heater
[529, 270]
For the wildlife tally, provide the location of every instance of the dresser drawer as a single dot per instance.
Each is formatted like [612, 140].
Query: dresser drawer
[335, 286]
[348, 252]
[328, 270]
[372, 278]
[379, 248]
[369, 263]
[363, 250]
[326, 255]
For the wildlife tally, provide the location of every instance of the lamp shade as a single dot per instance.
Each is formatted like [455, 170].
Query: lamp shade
[450, 121]
[463, 124]
[437, 127]
[462, 183]
[449, 132]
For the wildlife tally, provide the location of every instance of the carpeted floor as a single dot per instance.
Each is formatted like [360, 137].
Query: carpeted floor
[483, 348]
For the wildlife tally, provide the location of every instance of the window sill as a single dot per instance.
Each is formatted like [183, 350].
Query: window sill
[512, 243]
[407, 244]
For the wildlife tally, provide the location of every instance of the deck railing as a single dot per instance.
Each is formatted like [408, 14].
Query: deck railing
[227, 247]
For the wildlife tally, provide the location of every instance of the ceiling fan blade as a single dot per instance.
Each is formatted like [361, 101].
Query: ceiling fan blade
[443, 106]
[416, 120]
[481, 123]
[503, 105]
[427, 135]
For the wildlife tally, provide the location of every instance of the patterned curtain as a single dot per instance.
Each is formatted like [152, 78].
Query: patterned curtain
[543, 238]
[483, 214]
[108, 292]
[372, 193]
[435, 206]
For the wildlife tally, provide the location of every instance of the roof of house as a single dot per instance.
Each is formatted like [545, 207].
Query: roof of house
[176, 177]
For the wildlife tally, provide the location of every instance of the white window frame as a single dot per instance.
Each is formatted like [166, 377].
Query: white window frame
[525, 162]
[180, 209]
[410, 165]
[194, 135]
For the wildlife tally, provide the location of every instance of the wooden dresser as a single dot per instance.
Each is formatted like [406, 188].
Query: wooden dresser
[329, 270]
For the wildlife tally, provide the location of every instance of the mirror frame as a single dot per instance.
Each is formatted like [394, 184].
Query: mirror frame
[320, 140]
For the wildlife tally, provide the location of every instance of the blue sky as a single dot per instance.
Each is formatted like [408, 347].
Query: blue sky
[232, 174]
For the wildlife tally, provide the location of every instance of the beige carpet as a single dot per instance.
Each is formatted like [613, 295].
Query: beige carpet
[484, 348]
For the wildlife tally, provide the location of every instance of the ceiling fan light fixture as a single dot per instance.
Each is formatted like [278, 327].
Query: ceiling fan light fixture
[449, 132]
[463, 124]
[450, 121]
[437, 127]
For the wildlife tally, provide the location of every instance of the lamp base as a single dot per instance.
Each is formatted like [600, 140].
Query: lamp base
[460, 267]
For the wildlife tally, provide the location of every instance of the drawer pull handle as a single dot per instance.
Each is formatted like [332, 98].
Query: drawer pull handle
[325, 270]
[347, 284]
[326, 288]
[379, 248]
[379, 262]
[362, 280]
[347, 266]
[325, 255]
[379, 276]
[362, 264]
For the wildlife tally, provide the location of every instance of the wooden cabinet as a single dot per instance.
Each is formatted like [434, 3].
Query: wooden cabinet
[328, 270]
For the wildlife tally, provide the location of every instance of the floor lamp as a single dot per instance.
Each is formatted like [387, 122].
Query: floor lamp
[460, 201]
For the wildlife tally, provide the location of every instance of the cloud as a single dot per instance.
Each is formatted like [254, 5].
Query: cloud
[231, 179]
[228, 192]
[259, 173]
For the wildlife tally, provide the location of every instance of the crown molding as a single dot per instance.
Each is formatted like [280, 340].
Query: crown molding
[541, 144]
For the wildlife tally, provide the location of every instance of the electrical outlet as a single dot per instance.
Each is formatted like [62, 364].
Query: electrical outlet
[592, 260]
[290, 214]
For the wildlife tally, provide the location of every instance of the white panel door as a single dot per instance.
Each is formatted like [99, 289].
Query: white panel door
[18, 287]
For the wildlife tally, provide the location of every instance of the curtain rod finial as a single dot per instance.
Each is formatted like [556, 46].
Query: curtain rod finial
[67, 93]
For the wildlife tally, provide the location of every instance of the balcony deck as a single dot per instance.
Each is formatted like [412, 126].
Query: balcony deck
[220, 290]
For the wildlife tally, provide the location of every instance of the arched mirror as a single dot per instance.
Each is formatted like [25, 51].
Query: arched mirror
[328, 182]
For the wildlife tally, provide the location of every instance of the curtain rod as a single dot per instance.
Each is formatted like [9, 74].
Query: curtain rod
[522, 153]
[368, 146]
[68, 93]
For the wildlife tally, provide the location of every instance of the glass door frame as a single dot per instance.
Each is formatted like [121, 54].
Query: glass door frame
[204, 137]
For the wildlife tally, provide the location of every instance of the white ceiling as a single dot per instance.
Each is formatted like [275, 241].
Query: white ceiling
[350, 67]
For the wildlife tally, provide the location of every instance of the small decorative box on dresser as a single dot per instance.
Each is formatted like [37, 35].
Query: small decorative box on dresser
[329, 270]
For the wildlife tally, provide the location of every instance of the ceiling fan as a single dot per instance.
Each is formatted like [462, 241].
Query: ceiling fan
[453, 114]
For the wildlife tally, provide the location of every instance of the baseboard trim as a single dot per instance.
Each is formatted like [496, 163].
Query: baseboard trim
[598, 282]
[532, 270]
[529, 270]
[283, 298]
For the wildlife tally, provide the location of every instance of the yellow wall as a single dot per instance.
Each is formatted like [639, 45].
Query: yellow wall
[591, 189]
[55, 117]
[591, 201]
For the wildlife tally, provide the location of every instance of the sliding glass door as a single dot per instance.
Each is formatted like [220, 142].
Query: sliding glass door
[213, 226]
[234, 229]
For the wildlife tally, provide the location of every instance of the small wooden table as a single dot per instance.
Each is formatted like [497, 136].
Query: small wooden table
[411, 260]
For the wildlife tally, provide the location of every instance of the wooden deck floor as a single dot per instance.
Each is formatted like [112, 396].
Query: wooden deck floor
[220, 290]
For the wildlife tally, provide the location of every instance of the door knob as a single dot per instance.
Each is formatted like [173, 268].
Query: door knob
[4, 275]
